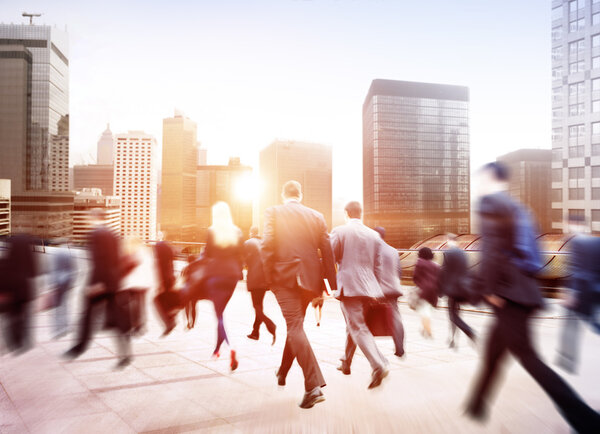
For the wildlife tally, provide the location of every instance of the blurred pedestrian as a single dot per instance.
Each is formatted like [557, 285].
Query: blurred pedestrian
[295, 240]
[454, 284]
[18, 279]
[426, 278]
[583, 302]
[105, 280]
[509, 261]
[224, 258]
[163, 254]
[257, 284]
[62, 279]
[389, 279]
[317, 304]
[357, 251]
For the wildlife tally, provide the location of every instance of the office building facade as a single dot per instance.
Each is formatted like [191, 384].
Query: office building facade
[87, 200]
[575, 58]
[178, 183]
[227, 184]
[308, 163]
[530, 182]
[94, 176]
[136, 182]
[4, 207]
[416, 160]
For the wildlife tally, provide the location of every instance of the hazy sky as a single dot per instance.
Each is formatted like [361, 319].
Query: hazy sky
[251, 71]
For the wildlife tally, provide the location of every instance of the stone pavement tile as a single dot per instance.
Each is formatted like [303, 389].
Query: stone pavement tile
[107, 422]
[153, 360]
[49, 382]
[42, 408]
[175, 371]
[209, 426]
[83, 367]
[115, 378]
[154, 407]
[10, 419]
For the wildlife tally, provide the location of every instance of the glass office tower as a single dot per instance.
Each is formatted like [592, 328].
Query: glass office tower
[416, 160]
[47, 161]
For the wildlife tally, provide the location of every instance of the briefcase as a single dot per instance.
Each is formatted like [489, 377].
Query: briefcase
[378, 316]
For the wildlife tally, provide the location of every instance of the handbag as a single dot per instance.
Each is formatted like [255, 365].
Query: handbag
[378, 317]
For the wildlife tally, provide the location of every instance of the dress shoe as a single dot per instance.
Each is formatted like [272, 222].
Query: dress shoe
[311, 398]
[168, 330]
[344, 368]
[73, 353]
[253, 336]
[377, 377]
[476, 413]
[280, 379]
[400, 354]
[123, 363]
[234, 363]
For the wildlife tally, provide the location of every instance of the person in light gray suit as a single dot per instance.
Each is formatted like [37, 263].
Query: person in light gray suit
[357, 251]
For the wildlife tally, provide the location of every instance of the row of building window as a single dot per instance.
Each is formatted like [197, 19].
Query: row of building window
[557, 214]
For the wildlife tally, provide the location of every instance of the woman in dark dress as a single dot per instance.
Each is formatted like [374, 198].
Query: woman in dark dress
[426, 278]
[223, 256]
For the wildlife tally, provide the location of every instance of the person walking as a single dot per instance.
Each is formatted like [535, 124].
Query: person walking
[509, 261]
[256, 284]
[295, 242]
[62, 277]
[426, 278]
[453, 283]
[163, 254]
[357, 251]
[223, 259]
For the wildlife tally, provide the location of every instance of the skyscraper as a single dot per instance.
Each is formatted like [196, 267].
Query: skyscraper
[308, 163]
[576, 112]
[530, 174]
[178, 186]
[94, 176]
[105, 149]
[416, 160]
[47, 145]
[136, 180]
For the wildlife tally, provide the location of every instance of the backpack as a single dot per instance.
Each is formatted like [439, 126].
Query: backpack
[526, 254]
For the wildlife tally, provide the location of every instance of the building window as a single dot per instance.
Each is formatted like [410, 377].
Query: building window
[576, 193]
[595, 149]
[576, 88]
[557, 134]
[596, 40]
[577, 213]
[576, 67]
[556, 175]
[556, 33]
[576, 151]
[595, 172]
[575, 5]
[576, 49]
[557, 215]
[557, 53]
[596, 215]
[596, 106]
[576, 172]
[557, 195]
[595, 193]
[595, 19]
[576, 130]
[557, 73]
[576, 109]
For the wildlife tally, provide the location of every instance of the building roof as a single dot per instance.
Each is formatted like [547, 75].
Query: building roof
[417, 90]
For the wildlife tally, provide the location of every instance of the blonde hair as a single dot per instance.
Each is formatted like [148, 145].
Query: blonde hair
[225, 233]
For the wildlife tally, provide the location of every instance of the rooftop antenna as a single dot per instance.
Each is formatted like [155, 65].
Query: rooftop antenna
[26, 14]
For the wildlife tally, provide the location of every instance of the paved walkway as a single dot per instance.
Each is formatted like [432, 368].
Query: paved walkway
[173, 386]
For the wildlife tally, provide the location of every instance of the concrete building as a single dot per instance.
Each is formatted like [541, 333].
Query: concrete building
[178, 185]
[416, 160]
[530, 182]
[94, 176]
[44, 214]
[308, 163]
[85, 201]
[576, 112]
[136, 182]
[228, 184]
[105, 149]
[4, 207]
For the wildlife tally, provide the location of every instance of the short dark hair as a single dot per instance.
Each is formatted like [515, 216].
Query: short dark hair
[291, 189]
[381, 231]
[425, 253]
[499, 170]
[354, 209]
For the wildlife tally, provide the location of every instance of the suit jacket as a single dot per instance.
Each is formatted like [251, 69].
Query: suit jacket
[426, 277]
[164, 262]
[106, 259]
[357, 251]
[224, 261]
[253, 259]
[584, 267]
[391, 271]
[20, 268]
[453, 274]
[296, 249]
[498, 273]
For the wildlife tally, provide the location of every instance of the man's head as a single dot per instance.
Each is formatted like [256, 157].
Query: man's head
[292, 190]
[425, 253]
[254, 232]
[353, 210]
[492, 178]
[381, 231]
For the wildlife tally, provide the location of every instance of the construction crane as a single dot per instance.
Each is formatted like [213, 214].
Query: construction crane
[26, 14]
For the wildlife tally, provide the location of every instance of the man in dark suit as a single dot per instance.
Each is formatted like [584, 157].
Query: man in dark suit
[357, 251]
[106, 270]
[514, 295]
[297, 255]
[256, 284]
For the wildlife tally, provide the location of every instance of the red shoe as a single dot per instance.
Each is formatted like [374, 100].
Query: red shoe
[234, 362]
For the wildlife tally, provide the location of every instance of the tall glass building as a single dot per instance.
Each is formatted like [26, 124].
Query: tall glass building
[47, 153]
[416, 160]
[576, 112]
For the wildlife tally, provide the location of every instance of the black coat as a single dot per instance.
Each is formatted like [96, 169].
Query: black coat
[223, 261]
[454, 275]
[584, 267]
[253, 259]
[19, 269]
[164, 262]
[106, 259]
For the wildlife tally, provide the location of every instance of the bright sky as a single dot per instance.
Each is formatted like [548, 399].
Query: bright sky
[251, 71]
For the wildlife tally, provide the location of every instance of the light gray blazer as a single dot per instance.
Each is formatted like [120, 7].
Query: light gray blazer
[357, 251]
[391, 271]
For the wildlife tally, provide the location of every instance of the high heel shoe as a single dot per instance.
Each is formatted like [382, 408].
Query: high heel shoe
[234, 362]
[274, 333]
